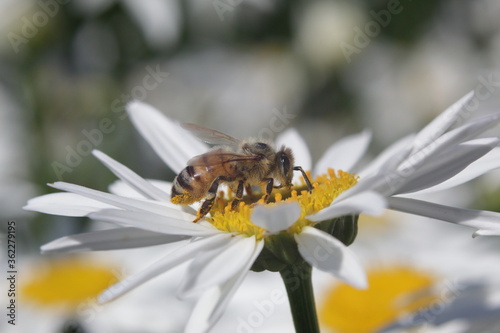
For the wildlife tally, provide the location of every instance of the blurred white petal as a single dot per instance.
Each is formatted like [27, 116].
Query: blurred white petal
[111, 239]
[171, 142]
[171, 260]
[222, 266]
[328, 254]
[206, 313]
[344, 154]
[160, 20]
[135, 181]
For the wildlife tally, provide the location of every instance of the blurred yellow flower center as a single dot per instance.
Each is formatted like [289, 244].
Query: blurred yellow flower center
[391, 293]
[68, 282]
[325, 189]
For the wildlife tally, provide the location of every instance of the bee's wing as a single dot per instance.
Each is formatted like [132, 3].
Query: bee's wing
[211, 136]
[219, 157]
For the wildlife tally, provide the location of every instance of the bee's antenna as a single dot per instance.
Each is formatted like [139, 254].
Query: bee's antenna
[308, 182]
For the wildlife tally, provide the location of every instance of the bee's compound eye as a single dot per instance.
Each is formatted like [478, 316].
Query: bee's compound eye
[285, 164]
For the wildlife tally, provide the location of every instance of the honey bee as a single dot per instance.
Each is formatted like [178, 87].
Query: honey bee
[239, 164]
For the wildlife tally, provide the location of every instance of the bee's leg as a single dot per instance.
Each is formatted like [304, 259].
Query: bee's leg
[249, 190]
[269, 188]
[210, 198]
[239, 195]
[306, 179]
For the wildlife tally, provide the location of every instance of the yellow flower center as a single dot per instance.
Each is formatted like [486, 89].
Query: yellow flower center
[325, 189]
[66, 282]
[391, 293]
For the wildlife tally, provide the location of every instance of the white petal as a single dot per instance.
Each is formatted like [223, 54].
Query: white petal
[485, 164]
[137, 205]
[111, 239]
[200, 318]
[135, 181]
[442, 122]
[291, 138]
[344, 154]
[208, 311]
[276, 218]
[153, 222]
[446, 165]
[171, 142]
[389, 157]
[449, 140]
[470, 130]
[483, 231]
[370, 203]
[170, 261]
[204, 273]
[487, 223]
[420, 172]
[119, 187]
[329, 254]
[65, 204]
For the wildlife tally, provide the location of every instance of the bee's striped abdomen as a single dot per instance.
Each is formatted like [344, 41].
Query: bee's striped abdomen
[187, 187]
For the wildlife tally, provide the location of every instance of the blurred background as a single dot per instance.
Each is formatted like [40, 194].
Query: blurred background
[329, 68]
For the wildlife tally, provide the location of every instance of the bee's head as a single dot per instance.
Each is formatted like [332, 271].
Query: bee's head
[284, 166]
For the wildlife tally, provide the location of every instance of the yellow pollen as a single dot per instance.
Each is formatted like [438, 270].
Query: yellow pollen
[325, 189]
[236, 221]
[392, 292]
[181, 199]
[67, 282]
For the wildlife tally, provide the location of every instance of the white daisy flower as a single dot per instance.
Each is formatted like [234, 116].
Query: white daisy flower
[223, 250]
[278, 236]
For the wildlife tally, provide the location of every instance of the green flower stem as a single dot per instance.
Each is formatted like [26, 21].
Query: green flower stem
[297, 279]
